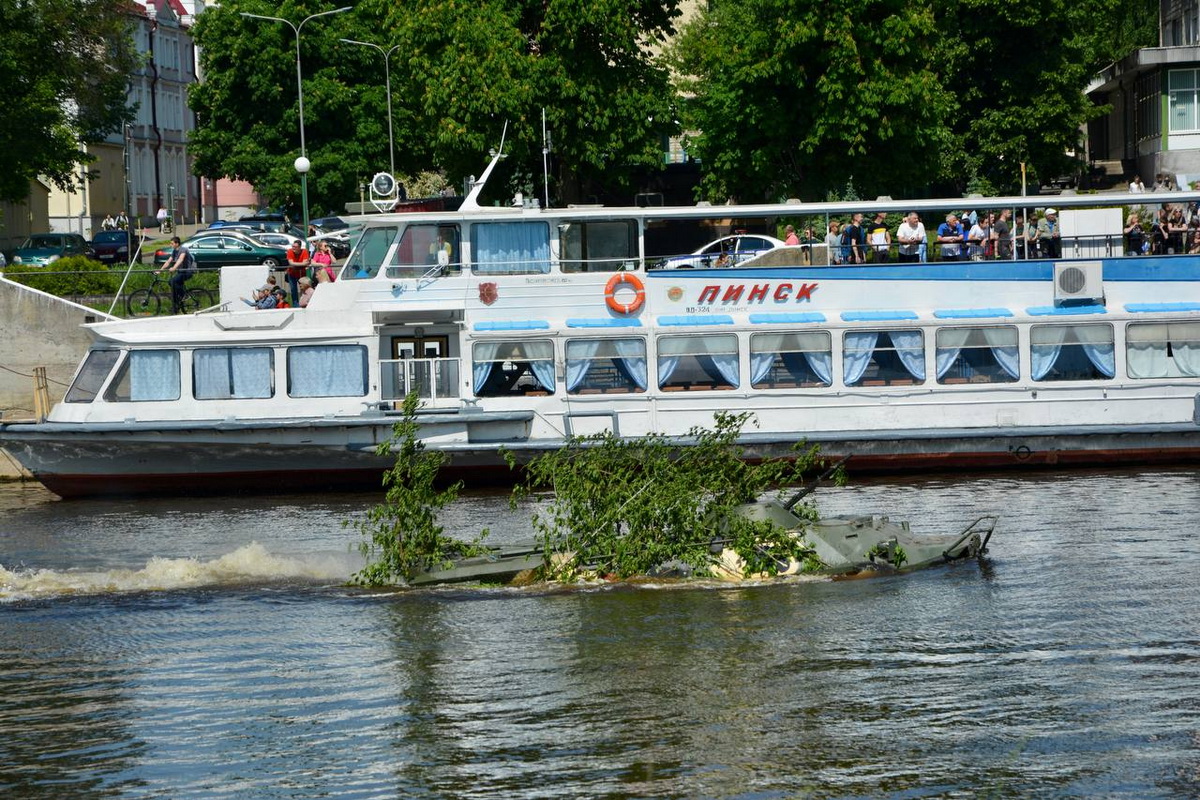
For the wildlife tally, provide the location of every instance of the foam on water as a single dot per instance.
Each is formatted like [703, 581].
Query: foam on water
[248, 564]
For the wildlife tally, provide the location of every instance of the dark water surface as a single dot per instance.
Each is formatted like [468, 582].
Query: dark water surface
[210, 649]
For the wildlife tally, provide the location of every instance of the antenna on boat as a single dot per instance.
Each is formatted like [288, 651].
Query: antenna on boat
[545, 161]
[472, 201]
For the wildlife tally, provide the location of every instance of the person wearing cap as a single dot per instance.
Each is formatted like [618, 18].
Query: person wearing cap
[182, 266]
[1048, 234]
[263, 299]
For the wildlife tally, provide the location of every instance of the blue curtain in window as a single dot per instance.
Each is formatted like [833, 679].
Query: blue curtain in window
[501, 247]
[251, 372]
[909, 349]
[856, 355]
[1102, 357]
[327, 371]
[721, 367]
[210, 374]
[582, 354]
[1005, 354]
[760, 367]
[950, 342]
[1044, 354]
[154, 375]
[632, 361]
[543, 370]
[485, 360]
[821, 363]
[666, 368]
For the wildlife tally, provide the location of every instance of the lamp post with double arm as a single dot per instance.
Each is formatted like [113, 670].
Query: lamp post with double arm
[387, 76]
[303, 160]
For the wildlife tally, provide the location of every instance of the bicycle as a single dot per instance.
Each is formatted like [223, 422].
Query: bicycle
[148, 302]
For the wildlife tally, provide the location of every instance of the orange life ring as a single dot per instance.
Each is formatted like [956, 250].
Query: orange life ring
[610, 293]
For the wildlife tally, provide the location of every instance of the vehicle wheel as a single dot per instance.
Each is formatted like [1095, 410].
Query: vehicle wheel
[142, 303]
[197, 300]
[270, 263]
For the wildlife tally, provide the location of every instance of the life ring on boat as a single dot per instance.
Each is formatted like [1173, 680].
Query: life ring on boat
[614, 283]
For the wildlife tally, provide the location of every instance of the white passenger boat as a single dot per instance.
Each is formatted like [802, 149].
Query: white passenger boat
[520, 327]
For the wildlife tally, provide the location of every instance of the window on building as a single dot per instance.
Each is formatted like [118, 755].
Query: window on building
[146, 375]
[1163, 350]
[338, 370]
[883, 358]
[612, 366]
[1072, 352]
[977, 355]
[785, 360]
[601, 246]
[224, 373]
[1182, 88]
[694, 363]
[500, 248]
[502, 368]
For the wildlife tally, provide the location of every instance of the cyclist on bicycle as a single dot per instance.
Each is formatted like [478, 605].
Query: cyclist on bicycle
[183, 266]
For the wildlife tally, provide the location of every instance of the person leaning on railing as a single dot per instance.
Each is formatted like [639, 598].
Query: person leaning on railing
[1135, 237]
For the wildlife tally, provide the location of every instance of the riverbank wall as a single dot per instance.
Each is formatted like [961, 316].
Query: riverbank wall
[38, 330]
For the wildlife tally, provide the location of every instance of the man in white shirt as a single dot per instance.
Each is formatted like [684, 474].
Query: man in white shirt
[910, 235]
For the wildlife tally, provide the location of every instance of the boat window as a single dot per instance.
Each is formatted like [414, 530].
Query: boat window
[1072, 352]
[602, 246]
[336, 370]
[505, 368]
[370, 253]
[612, 366]
[91, 376]
[224, 373]
[883, 358]
[1163, 350]
[146, 375]
[787, 360]
[510, 248]
[977, 355]
[426, 248]
[696, 363]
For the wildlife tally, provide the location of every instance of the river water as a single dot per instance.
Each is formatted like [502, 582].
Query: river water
[212, 648]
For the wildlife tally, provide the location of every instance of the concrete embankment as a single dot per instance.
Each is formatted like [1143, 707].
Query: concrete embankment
[39, 330]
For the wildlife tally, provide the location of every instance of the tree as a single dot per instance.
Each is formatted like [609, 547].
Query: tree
[795, 98]
[460, 72]
[64, 66]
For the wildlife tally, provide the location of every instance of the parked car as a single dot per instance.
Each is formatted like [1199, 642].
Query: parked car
[43, 249]
[724, 252]
[336, 231]
[226, 248]
[112, 247]
[328, 224]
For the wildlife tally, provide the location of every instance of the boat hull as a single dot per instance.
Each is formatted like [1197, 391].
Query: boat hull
[75, 462]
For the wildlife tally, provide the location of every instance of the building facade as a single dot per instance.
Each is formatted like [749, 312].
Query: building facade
[1153, 127]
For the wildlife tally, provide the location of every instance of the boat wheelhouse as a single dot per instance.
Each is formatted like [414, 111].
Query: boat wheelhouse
[521, 326]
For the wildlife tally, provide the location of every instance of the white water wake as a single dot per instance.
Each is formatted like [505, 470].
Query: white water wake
[249, 564]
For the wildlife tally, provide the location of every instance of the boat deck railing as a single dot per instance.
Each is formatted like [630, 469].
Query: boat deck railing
[433, 379]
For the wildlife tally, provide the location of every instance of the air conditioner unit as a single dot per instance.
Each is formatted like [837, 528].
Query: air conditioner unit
[1079, 283]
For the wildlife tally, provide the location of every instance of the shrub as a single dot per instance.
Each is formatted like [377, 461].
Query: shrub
[71, 276]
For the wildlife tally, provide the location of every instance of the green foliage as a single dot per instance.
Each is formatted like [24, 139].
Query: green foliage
[625, 506]
[67, 277]
[64, 66]
[402, 535]
[790, 98]
[459, 71]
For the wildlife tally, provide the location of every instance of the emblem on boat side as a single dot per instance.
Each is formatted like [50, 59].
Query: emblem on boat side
[675, 294]
[488, 293]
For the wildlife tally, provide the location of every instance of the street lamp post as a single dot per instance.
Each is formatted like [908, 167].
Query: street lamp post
[387, 73]
[300, 94]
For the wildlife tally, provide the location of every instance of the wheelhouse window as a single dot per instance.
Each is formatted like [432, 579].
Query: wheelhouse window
[601, 246]
[336, 370]
[91, 376]
[883, 358]
[1072, 352]
[144, 376]
[370, 252]
[510, 248]
[977, 355]
[611, 366]
[509, 368]
[787, 360]
[226, 373]
[424, 249]
[695, 363]
[1163, 350]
